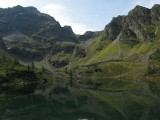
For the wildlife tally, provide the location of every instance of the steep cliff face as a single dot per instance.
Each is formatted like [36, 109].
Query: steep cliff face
[89, 35]
[29, 21]
[134, 25]
[113, 29]
[155, 12]
[30, 34]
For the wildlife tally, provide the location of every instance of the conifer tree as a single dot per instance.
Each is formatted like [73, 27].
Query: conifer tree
[33, 65]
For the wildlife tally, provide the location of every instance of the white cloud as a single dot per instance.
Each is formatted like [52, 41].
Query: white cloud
[61, 14]
[145, 3]
[11, 3]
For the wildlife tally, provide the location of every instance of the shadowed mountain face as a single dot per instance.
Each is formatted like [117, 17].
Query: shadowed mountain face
[30, 34]
[29, 21]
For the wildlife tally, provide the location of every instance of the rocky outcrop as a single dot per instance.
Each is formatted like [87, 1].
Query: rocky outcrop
[30, 21]
[155, 13]
[30, 34]
[135, 26]
[88, 35]
[113, 29]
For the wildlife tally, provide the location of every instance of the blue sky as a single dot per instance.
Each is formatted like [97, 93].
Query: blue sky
[82, 15]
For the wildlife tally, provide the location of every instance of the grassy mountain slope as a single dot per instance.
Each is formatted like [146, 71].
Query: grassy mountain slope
[131, 38]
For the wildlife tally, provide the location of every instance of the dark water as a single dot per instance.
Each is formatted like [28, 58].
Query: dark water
[37, 107]
[82, 104]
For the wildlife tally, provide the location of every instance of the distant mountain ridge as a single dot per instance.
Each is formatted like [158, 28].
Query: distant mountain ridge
[30, 21]
[35, 36]
[132, 37]
[133, 24]
[30, 34]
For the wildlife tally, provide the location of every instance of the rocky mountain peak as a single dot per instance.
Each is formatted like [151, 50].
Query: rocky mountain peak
[156, 6]
[139, 11]
[89, 35]
[37, 32]
[16, 9]
[32, 9]
[114, 28]
[69, 28]
[134, 25]
[155, 12]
